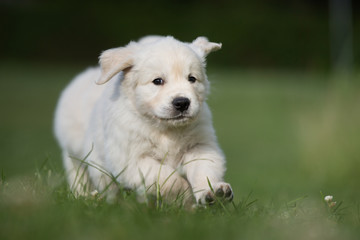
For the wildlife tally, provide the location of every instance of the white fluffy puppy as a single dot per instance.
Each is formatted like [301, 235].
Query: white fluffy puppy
[145, 122]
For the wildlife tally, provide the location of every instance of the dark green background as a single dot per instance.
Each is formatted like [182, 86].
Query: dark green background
[282, 34]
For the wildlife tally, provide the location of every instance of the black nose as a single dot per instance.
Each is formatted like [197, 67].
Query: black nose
[181, 103]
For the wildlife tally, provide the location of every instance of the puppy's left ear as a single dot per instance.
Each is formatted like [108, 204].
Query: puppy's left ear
[113, 61]
[203, 47]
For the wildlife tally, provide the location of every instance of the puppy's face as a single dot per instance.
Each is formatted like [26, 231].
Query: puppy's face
[165, 79]
[171, 84]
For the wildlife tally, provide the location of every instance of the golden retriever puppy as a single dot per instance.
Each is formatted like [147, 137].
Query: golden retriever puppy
[141, 120]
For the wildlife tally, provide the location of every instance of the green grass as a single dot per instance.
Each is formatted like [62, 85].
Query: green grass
[290, 139]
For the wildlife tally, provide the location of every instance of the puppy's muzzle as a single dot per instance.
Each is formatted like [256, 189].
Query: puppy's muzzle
[181, 104]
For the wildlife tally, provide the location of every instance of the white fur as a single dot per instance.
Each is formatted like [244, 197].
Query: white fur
[129, 126]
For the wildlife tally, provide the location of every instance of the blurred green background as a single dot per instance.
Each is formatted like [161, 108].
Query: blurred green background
[285, 89]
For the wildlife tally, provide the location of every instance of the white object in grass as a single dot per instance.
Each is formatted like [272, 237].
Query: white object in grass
[328, 198]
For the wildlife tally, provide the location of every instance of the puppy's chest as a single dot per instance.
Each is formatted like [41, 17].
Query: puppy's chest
[170, 149]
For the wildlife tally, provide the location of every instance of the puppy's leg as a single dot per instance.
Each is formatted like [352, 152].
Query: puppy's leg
[100, 176]
[163, 178]
[77, 175]
[204, 167]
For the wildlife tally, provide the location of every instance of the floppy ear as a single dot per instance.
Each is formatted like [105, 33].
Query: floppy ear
[113, 61]
[203, 47]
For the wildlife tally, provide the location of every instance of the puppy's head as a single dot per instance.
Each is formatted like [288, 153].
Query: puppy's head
[165, 79]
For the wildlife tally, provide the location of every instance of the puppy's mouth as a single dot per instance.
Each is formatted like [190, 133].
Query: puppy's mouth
[178, 117]
[173, 117]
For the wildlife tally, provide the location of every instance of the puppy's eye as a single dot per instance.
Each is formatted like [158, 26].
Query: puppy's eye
[158, 81]
[192, 79]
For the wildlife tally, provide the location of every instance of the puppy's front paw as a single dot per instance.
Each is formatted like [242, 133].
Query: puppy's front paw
[221, 192]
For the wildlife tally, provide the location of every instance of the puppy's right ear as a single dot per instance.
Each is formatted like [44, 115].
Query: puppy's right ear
[203, 47]
[113, 61]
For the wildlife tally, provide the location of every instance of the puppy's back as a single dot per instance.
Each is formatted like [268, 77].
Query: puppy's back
[74, 109]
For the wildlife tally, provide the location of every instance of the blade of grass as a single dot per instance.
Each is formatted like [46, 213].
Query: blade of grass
[158, 195]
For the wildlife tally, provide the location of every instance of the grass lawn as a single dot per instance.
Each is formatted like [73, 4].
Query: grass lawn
[290, 139]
